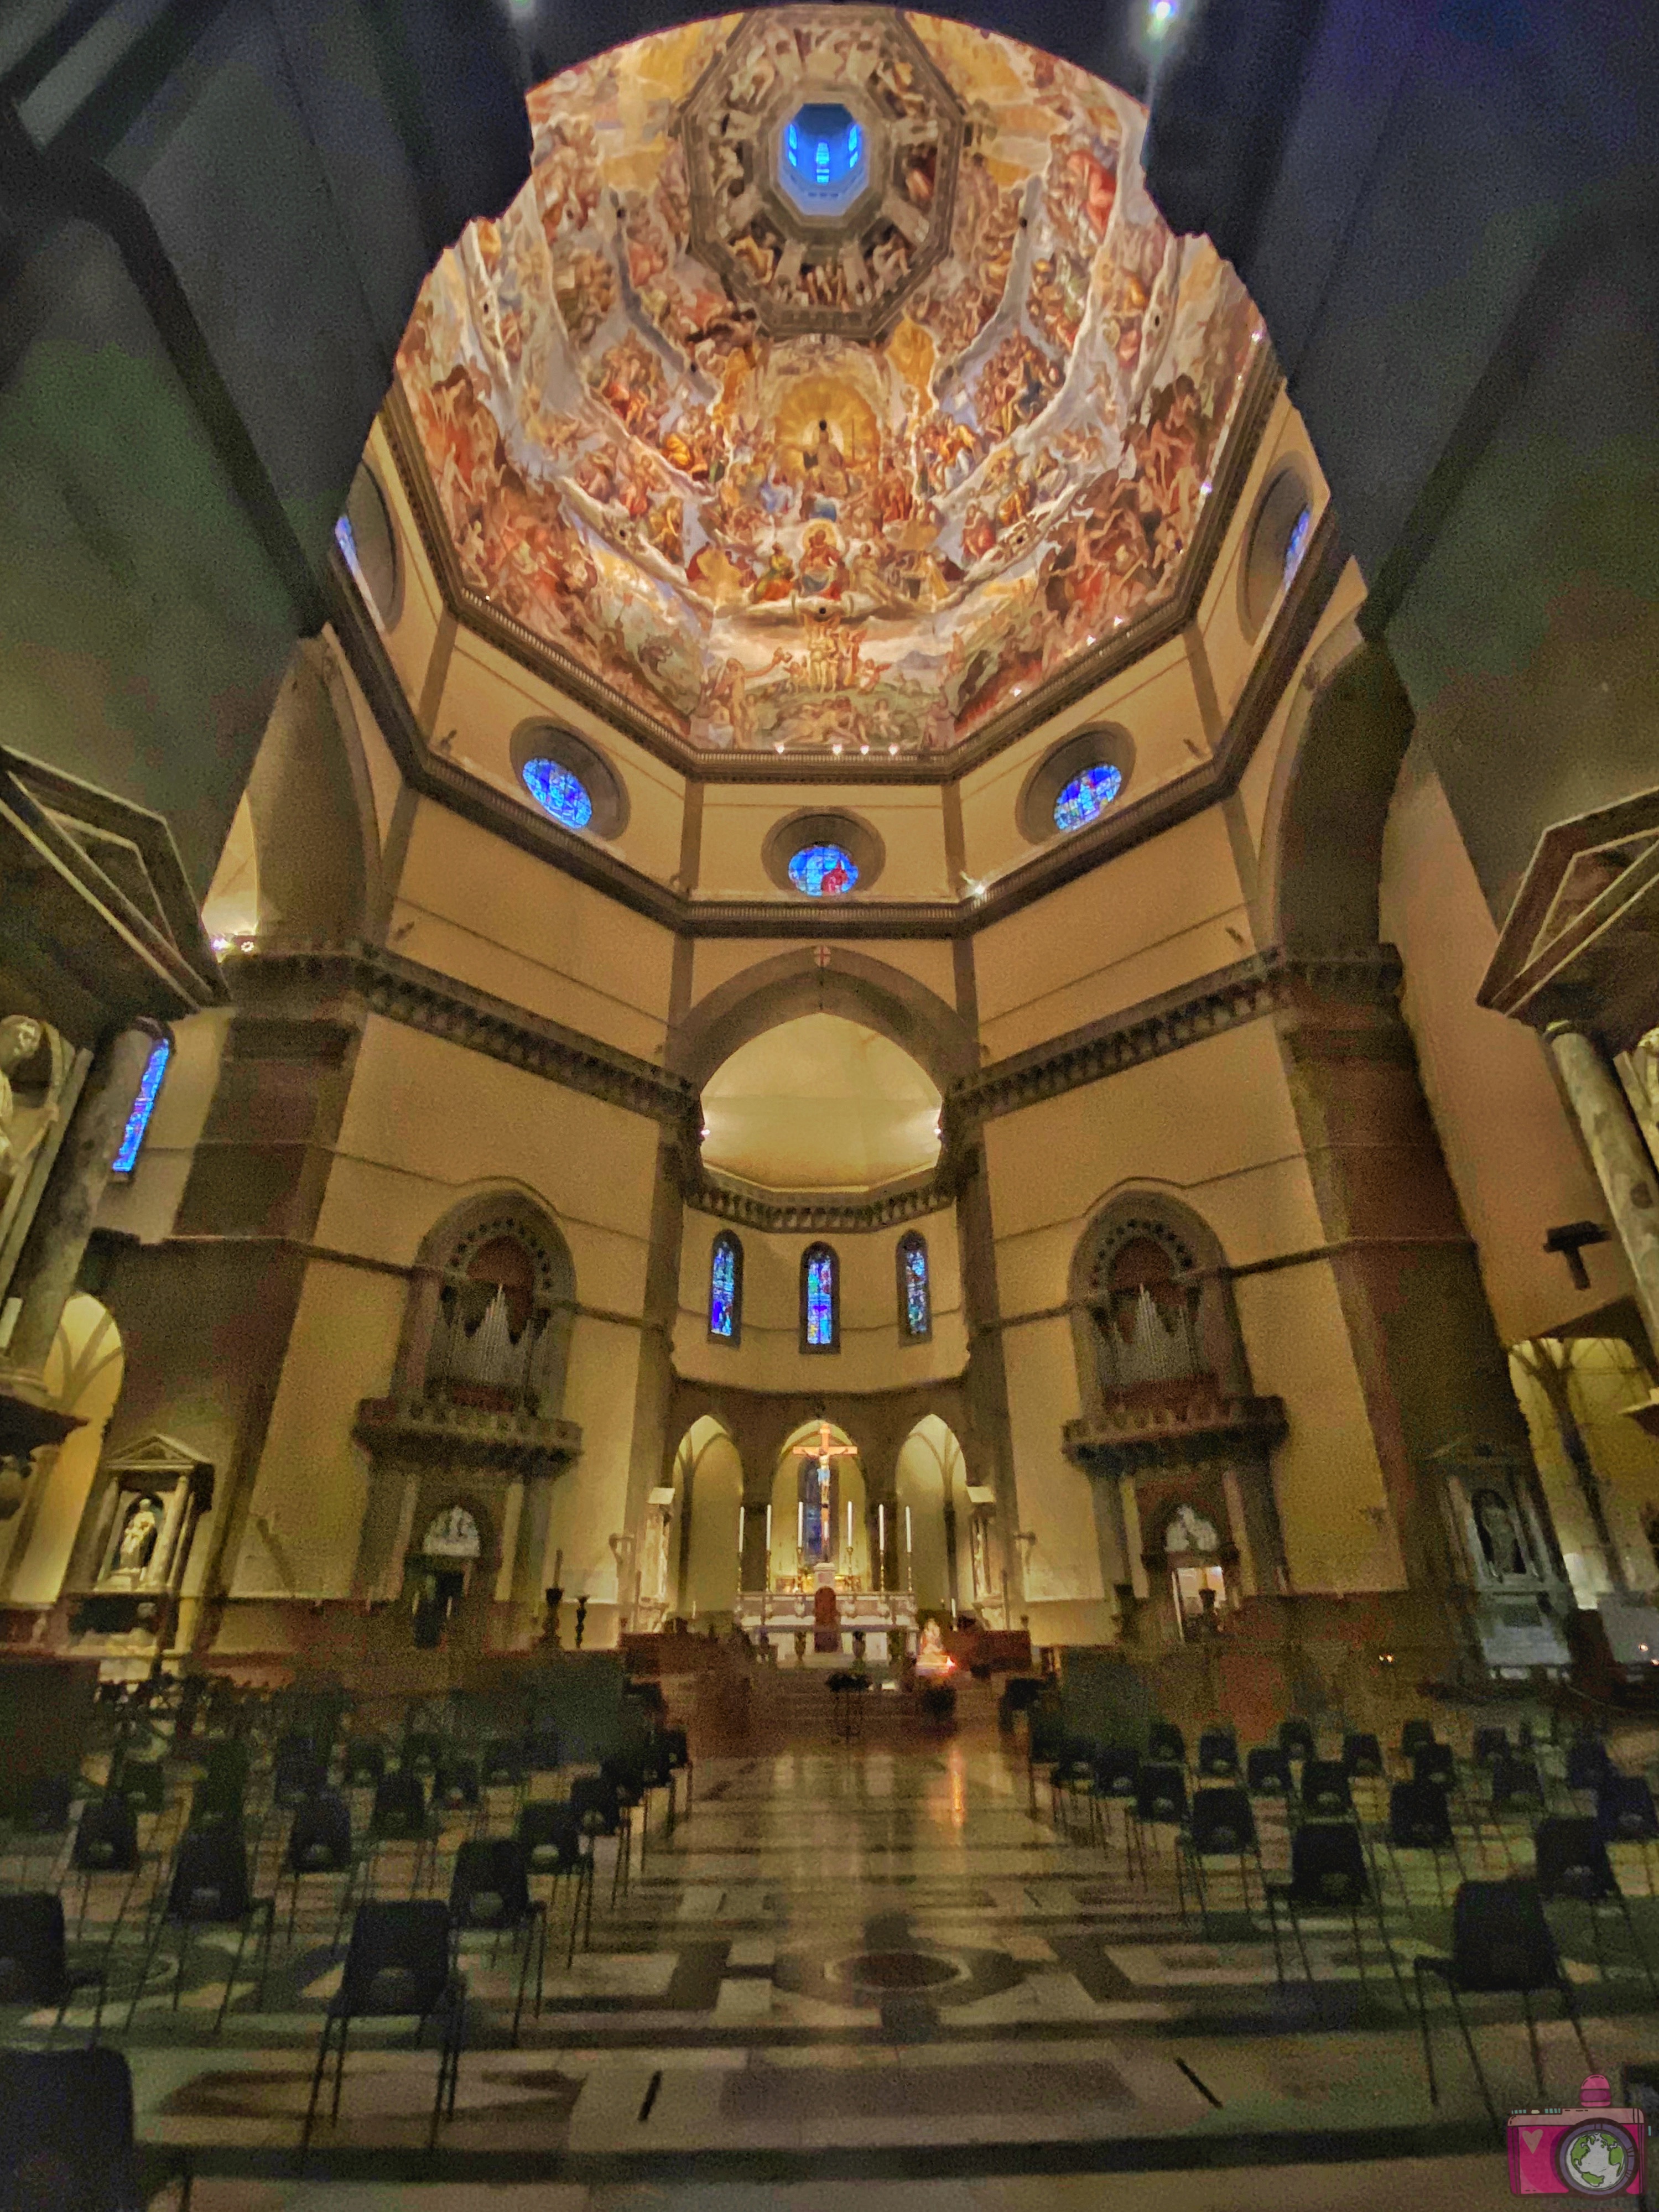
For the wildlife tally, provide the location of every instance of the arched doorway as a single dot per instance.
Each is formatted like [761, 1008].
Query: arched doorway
[935, 1521]
[704, 1522]
[840, 1534]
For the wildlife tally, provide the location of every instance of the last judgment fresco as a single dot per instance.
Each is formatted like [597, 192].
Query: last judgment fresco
[883, 475]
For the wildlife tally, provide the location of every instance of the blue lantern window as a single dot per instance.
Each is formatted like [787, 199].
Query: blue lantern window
[143, 1105]
[917, 1316]
[564, 796]
[823, 870]
[826, 161]
[1297, 544]
[819, 1325]
[725, 1288]
[1087, 796]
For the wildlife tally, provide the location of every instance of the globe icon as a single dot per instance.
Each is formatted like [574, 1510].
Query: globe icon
[1597, 2158]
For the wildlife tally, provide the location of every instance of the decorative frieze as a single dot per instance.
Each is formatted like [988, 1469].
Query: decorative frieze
[478, 1437]
[1129, 1434]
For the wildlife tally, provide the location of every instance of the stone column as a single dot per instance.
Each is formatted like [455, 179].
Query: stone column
[57, 1235]
[1623, 1165]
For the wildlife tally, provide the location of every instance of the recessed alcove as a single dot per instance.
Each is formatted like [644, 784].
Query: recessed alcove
[821, 1103]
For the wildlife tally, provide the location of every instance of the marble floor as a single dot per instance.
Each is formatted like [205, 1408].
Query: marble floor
[862, 1975]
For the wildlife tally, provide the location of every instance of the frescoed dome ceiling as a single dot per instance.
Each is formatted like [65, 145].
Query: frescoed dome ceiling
[833, 382]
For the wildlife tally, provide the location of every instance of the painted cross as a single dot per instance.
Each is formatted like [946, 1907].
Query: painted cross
[823, 1450]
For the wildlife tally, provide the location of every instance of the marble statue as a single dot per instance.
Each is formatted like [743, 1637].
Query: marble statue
[1499, 1539]
[1190, 1532]
[138, 1545]
[933, 1658]
[20, 1040]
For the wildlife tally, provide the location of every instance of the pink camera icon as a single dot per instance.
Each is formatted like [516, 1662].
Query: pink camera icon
[1594, 2149]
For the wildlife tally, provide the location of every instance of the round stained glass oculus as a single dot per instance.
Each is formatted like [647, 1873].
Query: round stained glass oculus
[564, 796]
[823, 870]
[1087, 796]
[823, 159]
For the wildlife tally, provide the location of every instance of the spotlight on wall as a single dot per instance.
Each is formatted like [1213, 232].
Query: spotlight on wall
[1162, 17]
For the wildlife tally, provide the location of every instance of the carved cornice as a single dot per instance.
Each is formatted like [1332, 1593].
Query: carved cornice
[423, 999]
[1128, 1436]
[1267, 983]
[803, 1214]
[424, 1429]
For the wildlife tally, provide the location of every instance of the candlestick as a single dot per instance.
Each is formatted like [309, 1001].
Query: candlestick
[881, 1546]
[801, 1534]
[742, 1511]
[768, 1547]
[850, 1532]
[909, 1560]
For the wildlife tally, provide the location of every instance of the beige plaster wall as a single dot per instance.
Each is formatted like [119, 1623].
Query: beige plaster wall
[481, 910]
[1156, 701]
[1157, 917]
[1214, 1126]
[872, 1356]
[737, 819]
[83, 1373]
[487, 695]
[1514, 1154]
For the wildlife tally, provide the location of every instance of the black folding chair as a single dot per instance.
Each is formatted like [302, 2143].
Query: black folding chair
[1218, 1755]
[209, 1889]
[320, 1842]
[422, 1752]
[1220, 1826]
[362, 1763]
[1517, 1787]
[1166, 1745]
[1325, 1795]
[501, 1764]
[1420, 1820]
[1588, 1764]
[217, 1808]
[1501, 1946]
[67, 2137]
[1160, 1801]
[600, 1812]
[1571, 1866]
[1362, 1758]
[399, 1963]
[1296, 1740]
[490, 1895]
[1329, 1873]
[1415, 1736]
[1267, 1771]
[678, 1747]
[106, 1842]
[297, 1772]
[1489, 1745]
[1072, 1781]
[456, 1787]
[1116, 1771]
[399, 1815]
[1435, 1762]
[34, 1967]
[1624, 1812]
[553, 1843]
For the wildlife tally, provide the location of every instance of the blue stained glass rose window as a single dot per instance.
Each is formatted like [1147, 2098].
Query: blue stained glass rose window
[565, 797]
[1297, 544]
[917, 1317]
[143, 1105]
[723, 1289]
[1087, 796]
[821, 1299]
[823, 870]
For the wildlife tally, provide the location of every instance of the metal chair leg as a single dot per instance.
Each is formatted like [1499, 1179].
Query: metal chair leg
[1475, 2060]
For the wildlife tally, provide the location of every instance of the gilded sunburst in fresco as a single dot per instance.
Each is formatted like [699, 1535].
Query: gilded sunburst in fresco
[866, 535]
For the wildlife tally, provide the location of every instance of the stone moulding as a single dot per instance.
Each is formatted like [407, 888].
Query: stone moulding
[1265, 983]
[804, 1215]
[424, 999]
[1127, 1437]
[428, 1429]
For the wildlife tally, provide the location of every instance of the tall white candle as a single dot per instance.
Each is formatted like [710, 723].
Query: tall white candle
[742, 1513]
[801, 1532]
[849, 1527]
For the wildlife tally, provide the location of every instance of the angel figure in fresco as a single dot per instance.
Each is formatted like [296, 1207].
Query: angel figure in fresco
[775, 581]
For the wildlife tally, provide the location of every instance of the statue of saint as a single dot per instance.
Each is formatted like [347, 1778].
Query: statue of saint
[138, 1536]
[933, 1658]
[20, 1040]
[1499, 1539]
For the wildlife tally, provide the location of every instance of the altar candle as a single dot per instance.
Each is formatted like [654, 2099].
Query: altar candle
[800, 1532]
[849, 1527]
[742, 1511]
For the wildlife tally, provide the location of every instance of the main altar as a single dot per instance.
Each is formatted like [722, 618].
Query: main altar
[822, 1619]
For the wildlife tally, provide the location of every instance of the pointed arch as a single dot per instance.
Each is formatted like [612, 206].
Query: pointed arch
[820, 1299]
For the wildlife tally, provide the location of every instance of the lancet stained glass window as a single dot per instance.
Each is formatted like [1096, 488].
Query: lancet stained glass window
[915, 1308]
[143, 1105]
[820, 1321]
[565, 797]
[1297, 544]
[725, 1288]
[1087, 795]
[823, 870]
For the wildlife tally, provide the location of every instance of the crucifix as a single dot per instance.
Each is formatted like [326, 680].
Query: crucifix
[814, 1536]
